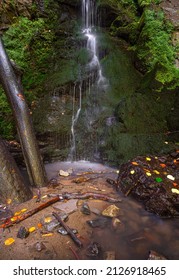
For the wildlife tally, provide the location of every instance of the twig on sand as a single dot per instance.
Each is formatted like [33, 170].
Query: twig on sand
[69, 231]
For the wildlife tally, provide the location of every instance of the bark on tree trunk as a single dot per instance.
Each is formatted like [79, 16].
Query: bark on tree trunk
[22, 117]
[12, 184]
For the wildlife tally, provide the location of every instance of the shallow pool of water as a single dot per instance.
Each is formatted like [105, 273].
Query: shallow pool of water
[140, 231]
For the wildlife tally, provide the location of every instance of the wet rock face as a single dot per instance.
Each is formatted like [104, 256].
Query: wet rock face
[73, 3]
[10, 9]
[154, 182]
[171, 7]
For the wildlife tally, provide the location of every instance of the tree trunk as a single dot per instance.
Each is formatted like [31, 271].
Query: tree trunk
[22, 117]
[12, 184]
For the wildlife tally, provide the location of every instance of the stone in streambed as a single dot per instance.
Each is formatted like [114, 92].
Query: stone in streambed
[85, 209]
[63, 173]
[116, 223]
[111, 211]
[68, 207]
[22, 233]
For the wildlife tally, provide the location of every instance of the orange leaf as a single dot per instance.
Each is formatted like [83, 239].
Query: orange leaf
[9, 241]
[39, 225]
[17, 213]
[175, 184]
[23, 210]
[163, 165]
[134, 163]
[147, 170]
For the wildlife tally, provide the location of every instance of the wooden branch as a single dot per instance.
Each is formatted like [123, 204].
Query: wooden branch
[69, 231]
[9, 222]
[92, 195]
[74, 253]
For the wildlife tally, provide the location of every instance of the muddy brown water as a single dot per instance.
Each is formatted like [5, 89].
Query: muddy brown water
[138, 233]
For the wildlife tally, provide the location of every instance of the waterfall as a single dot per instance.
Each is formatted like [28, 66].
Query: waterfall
[95, 82]
[75, 116]
[89, 16]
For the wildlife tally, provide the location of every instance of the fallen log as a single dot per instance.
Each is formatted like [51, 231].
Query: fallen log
[69, 231]
[64, 196]
[17, 219]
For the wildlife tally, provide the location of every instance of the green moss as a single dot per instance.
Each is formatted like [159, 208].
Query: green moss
[155, 48]
[6, 119]
[29, 45]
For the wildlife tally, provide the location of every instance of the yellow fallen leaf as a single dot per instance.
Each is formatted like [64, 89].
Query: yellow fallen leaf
[156, 172]
[35, 196]
[148, 174]
[32, 229]
[47, 234]
[13, 219]
[132, 171]
[44, 196]
[48, 219]
[9, 241]
[148, 159]
[17, 213]
[94, 188]
[23, 210]
[9, 201]
[175, 191]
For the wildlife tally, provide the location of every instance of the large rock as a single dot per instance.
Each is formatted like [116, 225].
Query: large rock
[170, 8]
[153, 181]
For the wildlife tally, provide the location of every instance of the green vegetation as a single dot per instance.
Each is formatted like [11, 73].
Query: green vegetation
[144, 26]
[29, 43]
[155, 48]
[6, 119]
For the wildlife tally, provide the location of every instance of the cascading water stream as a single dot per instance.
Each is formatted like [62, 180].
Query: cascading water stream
[89, 15]
[94, 72]
[75, 116]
